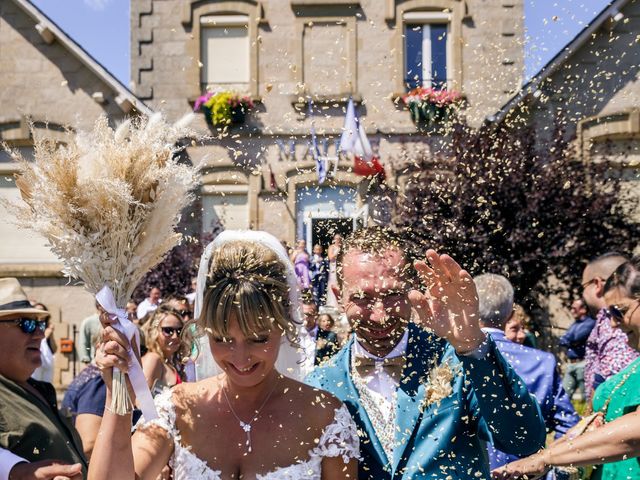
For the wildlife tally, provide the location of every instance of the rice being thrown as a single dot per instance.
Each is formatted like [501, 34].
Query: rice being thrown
[108, 201]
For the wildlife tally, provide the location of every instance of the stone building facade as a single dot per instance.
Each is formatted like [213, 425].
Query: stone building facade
[593, 83]
[288, 53]
[48, 79]
[283, 53]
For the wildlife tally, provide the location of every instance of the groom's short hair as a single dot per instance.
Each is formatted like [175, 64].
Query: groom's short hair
[376, 240]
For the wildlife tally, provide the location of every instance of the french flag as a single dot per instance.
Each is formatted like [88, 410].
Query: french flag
[354, 141]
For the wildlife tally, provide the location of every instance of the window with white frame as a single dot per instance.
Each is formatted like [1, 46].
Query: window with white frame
[426, 49]
[224, 51]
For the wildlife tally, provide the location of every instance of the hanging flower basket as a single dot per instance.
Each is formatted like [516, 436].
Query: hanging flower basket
[223, 108]
[430, 107]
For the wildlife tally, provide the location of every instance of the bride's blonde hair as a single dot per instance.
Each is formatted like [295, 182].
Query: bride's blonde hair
[247, 280]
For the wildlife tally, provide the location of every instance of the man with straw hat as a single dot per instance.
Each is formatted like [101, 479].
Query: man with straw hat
[35, 440]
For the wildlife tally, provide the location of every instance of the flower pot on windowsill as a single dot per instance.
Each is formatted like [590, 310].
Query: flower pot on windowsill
[238, 114]
[430, 107]
[430, 114]
[223, 108]
[206, 111]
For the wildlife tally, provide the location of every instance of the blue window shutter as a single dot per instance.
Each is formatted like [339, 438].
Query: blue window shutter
[413, 56]
[438, 55]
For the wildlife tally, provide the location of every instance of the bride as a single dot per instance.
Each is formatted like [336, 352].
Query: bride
[250, 421]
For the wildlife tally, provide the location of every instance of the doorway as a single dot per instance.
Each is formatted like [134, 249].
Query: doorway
[323, 212]
[324, 229]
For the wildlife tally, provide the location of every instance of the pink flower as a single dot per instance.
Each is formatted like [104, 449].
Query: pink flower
[202, 99]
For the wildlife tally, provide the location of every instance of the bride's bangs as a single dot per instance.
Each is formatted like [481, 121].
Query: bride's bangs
[259, 311]
[258, 306]
[247, 282]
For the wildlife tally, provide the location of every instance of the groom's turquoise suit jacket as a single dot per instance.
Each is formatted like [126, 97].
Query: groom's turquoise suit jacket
[489, 402]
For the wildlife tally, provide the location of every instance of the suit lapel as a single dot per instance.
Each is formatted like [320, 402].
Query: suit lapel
[345, 366]
[420, 349]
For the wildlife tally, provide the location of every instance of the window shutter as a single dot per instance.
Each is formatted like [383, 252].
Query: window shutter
[225, 50]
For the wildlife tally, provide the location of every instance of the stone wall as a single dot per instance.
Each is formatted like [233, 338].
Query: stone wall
[165, 55]
[45, 81]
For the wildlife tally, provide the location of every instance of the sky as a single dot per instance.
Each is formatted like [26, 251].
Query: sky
[101, 27]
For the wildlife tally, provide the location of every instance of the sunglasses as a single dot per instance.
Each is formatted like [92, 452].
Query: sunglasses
[169, 331]
[593, 280]
[616, 313]
[28, 325]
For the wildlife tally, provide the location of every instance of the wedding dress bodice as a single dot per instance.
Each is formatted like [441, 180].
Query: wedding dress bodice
[339, 438]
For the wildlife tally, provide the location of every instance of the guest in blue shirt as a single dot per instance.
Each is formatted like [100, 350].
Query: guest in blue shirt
[575, 342]
[538, 369]
[84, 402]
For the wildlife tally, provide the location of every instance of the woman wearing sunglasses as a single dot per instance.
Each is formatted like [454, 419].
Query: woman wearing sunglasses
[167, 349]
[614, 446]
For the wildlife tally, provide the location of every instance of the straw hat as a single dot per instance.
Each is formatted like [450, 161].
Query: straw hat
[14, 301]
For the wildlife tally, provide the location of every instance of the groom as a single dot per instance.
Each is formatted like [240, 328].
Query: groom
[424, 402]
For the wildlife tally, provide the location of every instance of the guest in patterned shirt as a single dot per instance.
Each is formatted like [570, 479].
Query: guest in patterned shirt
[607, 349]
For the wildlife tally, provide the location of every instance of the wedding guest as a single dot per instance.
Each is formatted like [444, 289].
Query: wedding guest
[538, 370]
[84, 402]
[180, 303]
[250, 421]
[36, 441]
[150, 303]
[424, 401]
[332, 282]
[48, 348]
[319, 272]
[166, 349]
[521, 317]
[300, 259]
[327, 344]
[574, 341]
[89, 335]
[607, 349]
[191, 296]
[132, 315]
[514, 329]
[616, 444]
[318, 344]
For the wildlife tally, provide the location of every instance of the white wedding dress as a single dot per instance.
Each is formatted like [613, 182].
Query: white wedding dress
[339, 439]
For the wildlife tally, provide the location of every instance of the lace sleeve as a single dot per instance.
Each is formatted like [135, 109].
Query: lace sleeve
[340, 438]
[166, 414]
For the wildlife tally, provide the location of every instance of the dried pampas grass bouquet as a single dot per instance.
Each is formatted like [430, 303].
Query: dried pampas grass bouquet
[108, 203]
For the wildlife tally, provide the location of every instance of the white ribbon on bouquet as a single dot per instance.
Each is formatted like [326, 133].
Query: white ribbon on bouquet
[125, 326]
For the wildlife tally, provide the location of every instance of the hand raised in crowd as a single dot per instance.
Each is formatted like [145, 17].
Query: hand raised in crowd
[449, 306]
[528, 468]
[46, 470]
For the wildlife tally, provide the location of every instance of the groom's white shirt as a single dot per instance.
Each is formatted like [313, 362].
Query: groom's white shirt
[379, 381]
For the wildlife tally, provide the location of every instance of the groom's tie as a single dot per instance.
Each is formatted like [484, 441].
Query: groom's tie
[367, 366]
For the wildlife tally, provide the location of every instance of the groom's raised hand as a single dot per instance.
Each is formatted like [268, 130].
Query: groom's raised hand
[449, 306]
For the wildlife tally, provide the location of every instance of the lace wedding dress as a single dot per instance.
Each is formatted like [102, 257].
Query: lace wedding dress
[339, 439]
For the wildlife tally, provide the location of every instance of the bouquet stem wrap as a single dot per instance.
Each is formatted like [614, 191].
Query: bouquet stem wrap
[121, 401]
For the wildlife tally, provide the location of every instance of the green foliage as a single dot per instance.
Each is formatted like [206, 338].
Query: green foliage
[220, 107]
[223, 108]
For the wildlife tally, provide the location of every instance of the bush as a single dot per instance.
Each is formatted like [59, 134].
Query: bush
[499, 204]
